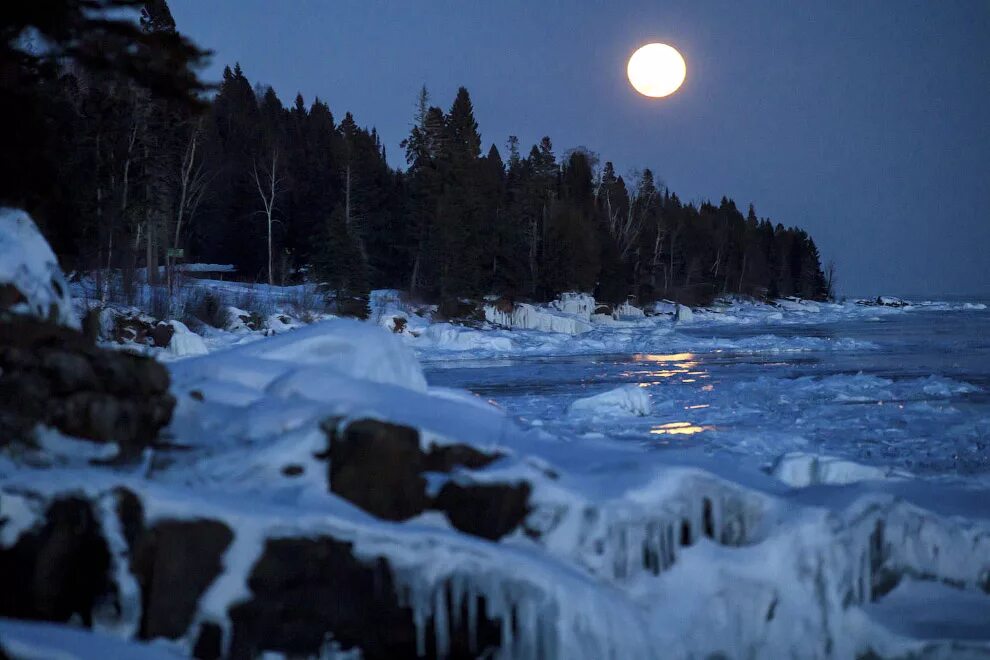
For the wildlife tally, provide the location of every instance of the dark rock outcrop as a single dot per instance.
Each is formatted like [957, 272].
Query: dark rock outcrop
[306, 589]
[174, 563]
[487, 510]
[161, 334]
[446, 458]
[59, 570]
[380, 466]
[209, 642]
[132, 328]
[55, 376]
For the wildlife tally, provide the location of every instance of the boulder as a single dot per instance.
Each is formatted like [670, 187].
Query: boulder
[54, 376]
[378, 466]
[174, 563]
[135, 328]
[58, 570]
[302, 590]
[31, 282]
[306, 590]
[161, 335]
[487, 510]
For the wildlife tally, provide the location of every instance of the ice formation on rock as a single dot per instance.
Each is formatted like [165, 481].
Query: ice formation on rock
[625, 400]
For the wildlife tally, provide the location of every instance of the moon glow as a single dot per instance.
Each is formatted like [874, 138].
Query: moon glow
[656, 70]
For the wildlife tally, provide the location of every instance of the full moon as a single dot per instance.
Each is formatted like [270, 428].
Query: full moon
[656, 70]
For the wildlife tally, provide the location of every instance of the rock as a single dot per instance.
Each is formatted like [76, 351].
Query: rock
[683, 313]
[133, 328]
[305, 589]
[31, 282]
[55, 376]
[174, 563]
[161, 335]
[398, 324]
[58, 571]
[378, 467]
[487, 510]
[628, 312]
[209, 642]
[624, 400]
[292, 470]
[445, 458]
[505, 305]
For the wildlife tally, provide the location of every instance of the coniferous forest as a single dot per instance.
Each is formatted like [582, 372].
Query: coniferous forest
[233, 175]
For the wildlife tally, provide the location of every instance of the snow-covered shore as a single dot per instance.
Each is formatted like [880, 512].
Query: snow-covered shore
[611, 534]
[313, 493]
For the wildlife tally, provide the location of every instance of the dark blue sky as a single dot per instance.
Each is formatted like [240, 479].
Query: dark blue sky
[866, 122]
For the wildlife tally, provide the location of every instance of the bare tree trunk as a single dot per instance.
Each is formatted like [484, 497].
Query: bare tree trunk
[268, 192]
[347, 198]
[414, 279]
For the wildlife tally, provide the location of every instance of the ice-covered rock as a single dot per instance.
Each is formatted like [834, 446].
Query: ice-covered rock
[529, 317]
[625, 400]
[683, 314]
[883, 301]
[239, 320]
[451, 337]
[581, 305]
[31, 282]
[627, 311]
[184, 342]
[798, 469]
[798, 305]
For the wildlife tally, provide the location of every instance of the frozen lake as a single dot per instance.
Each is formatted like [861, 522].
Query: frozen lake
[903, 391]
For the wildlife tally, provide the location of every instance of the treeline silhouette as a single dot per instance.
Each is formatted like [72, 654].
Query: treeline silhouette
[135, 177]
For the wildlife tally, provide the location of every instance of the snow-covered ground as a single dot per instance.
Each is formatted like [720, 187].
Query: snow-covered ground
[798, 480]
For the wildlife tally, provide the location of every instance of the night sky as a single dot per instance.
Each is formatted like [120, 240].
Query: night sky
[865, 122]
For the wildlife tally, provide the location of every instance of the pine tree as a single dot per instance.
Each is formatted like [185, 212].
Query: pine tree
[340, 266]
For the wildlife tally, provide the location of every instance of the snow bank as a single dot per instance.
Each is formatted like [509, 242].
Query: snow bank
[185, 342]
[28, 264]
[348, 347]
[626, 400]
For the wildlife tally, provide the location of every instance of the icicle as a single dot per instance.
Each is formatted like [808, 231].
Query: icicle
[472, 618]
[441, 625]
